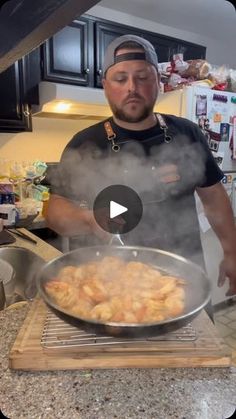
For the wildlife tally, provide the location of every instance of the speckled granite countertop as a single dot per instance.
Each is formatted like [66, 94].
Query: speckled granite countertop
[200, 393]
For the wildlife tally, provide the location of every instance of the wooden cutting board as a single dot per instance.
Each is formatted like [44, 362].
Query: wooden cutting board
[27, 353]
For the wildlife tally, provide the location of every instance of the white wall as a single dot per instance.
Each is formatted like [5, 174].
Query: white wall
[46, 142]
[217, 53]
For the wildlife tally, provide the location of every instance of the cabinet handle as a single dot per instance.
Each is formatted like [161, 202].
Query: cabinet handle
[99, 72]
[86, 70]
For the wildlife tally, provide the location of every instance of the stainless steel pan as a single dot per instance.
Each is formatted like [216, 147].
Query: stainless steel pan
[197, 287]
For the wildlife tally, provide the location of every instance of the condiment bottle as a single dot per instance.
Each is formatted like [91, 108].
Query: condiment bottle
[45, 199]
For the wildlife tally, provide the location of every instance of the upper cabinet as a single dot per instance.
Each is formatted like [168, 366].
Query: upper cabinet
[166, 47]
[190, 51]
[14, 113]
[75, 54]
[18, 87]
[68, 56]
[105, 32]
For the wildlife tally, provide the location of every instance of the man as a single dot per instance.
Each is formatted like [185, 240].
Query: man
[164, 158]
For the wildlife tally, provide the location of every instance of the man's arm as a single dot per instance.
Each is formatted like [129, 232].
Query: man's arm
[219, 212]
[68, 219]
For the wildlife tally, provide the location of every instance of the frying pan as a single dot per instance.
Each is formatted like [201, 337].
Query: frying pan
[197, 288]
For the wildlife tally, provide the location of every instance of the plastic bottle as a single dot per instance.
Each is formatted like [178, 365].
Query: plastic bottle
[45, 199]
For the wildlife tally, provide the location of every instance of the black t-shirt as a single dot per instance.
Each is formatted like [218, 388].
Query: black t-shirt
[165, 175]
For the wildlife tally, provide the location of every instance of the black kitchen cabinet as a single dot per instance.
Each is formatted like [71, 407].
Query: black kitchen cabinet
[75, 54]
[189, 50]
[105, 33]
[165, 46]
[68, 56]
[18, 87]
[14, 111]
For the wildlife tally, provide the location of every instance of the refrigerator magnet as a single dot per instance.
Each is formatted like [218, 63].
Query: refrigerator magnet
[206, 123]
[220, 98]
[224, 180]
[224, 131]
[217, 117]
[214, 141]
[203, 122]
[218, 157]
[214, 145]
[201, 105]
[234, 138]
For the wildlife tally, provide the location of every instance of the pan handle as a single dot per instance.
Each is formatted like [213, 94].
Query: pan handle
[116, 237]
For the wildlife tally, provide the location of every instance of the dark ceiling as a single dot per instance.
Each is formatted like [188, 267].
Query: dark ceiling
[25, 24]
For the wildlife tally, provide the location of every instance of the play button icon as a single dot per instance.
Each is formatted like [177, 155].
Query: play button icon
[117, 209]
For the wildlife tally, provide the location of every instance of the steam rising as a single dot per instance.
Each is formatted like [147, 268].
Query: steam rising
[166, 218]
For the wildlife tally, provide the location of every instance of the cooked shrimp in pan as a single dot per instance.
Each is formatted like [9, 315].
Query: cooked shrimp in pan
[112, 290]
[62, 292]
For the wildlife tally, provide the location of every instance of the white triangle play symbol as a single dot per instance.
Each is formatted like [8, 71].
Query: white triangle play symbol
[116, 209]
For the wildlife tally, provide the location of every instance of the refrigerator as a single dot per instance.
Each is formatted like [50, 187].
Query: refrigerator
[215, 112]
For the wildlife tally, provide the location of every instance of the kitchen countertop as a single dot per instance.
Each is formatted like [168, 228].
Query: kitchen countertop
[184, 393]
[43, 249]
[38, 222]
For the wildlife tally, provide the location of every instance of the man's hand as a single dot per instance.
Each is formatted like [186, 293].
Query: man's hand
[67, 219]
[102, 224]
[228, 270]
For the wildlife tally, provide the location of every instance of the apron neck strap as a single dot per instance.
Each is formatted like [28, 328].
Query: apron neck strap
[111, 135]
[161, 121]
[164, 127]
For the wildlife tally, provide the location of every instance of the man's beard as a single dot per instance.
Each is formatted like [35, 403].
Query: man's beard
[127, 117]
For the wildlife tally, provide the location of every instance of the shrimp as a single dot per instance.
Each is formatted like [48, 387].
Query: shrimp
[83, 308]
[175, 302]
[62, 292]
[95, 290]
[109, 267]
[71, 274]
[168, 286]
[102, 311]
[133, 270]
[114, 290]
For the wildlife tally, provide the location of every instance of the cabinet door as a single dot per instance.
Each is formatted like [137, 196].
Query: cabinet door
[68, 55]
[193, 52]
[15, 113]
[105, 33]
[166, 47]
[163, 46]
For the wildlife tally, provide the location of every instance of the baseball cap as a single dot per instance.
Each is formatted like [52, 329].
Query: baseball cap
[149, 53]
